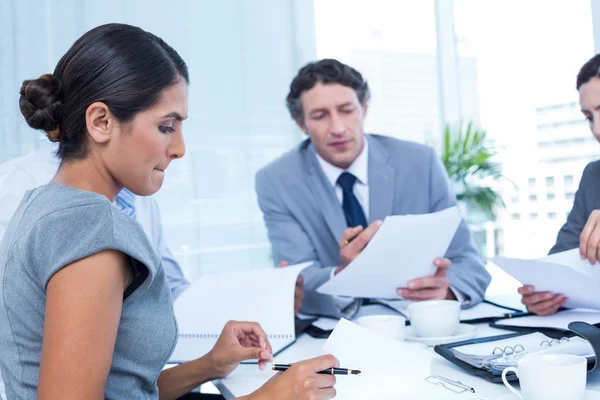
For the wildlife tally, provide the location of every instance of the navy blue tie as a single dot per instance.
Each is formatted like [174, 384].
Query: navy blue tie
[353, 211]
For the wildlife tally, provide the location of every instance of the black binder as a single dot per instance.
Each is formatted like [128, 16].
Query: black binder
[588, 332]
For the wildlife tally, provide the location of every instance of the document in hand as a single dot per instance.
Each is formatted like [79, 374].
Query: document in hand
[403, 249]
[564, 273]
[389, 369]
[264, 296]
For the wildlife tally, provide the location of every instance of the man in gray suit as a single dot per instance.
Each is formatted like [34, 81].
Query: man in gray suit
[318, 197]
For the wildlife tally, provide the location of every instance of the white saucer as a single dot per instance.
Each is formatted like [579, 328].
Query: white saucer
[464, 332]
[589, 395]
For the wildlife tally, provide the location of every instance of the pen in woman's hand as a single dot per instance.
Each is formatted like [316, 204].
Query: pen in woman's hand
[328, 371]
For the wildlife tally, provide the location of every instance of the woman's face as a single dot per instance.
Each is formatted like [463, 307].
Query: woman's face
[589, 100]
[145, 147]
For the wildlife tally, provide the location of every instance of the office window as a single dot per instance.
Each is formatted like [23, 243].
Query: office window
[569, 196]
[516, 216]
[393, 45]
[550, 196]
[544, 144]
[514, 199]
[533, 216]
[551, 215]
[532, 197]
[568, 180]
[240, 73]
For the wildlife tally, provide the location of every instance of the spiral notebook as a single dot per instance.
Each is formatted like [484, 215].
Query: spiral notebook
[263, 296]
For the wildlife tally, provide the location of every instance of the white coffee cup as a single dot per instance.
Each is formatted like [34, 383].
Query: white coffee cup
[434, 318]
[549, 377]
[391, 326]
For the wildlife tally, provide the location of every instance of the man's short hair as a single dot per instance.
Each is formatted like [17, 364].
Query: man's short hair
[324, 71]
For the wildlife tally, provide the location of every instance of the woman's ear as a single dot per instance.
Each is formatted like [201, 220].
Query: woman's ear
[99, 122]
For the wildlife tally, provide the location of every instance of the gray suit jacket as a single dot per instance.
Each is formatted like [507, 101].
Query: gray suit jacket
[305, 219]
[587, 199]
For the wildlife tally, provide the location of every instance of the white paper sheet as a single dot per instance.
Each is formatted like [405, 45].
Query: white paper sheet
[325, 323]
[562, 273]
[403, 249]
[263, 296]
[386, 373]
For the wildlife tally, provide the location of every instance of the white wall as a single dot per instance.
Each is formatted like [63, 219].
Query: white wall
[242, 55]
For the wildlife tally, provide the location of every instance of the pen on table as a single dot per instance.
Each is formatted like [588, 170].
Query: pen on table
[328, 371]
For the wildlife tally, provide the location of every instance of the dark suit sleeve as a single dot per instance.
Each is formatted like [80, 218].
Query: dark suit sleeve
[568, 236]
[467, 273]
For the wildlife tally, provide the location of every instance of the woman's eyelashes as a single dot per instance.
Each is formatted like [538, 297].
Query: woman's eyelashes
[166, 129]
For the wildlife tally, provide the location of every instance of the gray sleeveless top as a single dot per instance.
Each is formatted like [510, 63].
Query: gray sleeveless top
[54, 226]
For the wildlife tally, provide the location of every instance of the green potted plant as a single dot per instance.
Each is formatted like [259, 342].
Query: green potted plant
[468, 156]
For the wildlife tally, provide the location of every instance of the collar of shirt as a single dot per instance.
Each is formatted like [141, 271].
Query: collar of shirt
[125, 201]
[358, 168]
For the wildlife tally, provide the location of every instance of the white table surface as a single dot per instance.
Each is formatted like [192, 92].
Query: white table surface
[247, 378]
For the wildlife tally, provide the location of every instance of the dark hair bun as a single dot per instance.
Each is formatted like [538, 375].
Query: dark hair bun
[40, 105]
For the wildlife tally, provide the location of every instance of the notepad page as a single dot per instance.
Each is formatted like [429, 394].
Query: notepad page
[390, 369]
[263, 296]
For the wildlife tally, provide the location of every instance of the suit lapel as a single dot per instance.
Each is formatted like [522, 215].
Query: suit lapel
[381, 181]
[324, 194]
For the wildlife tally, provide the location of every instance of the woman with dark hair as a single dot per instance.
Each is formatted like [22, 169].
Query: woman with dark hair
[85, 310]
[582, 229]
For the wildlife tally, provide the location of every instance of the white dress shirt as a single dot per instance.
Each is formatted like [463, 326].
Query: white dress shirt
[360, 169]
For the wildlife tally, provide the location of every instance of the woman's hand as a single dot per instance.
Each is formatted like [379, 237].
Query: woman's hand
[541, 303]
[300, 382]
[238, 342]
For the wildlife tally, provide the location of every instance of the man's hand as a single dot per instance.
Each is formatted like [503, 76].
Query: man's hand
[298, 292]
[436, 287]
[354, 241]
[589, 241]
[541, 303]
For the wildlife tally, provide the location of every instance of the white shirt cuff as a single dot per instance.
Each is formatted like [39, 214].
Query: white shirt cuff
[462, 299]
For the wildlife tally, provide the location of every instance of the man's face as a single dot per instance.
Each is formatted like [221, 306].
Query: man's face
[334, 120]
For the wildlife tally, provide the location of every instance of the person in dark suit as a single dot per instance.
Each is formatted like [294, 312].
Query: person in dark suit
[582, 229]
[324, 200]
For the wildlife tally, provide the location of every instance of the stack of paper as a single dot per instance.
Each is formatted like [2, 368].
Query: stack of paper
[264, 296]
[390, 369]
[564, 273]
[403, 249]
